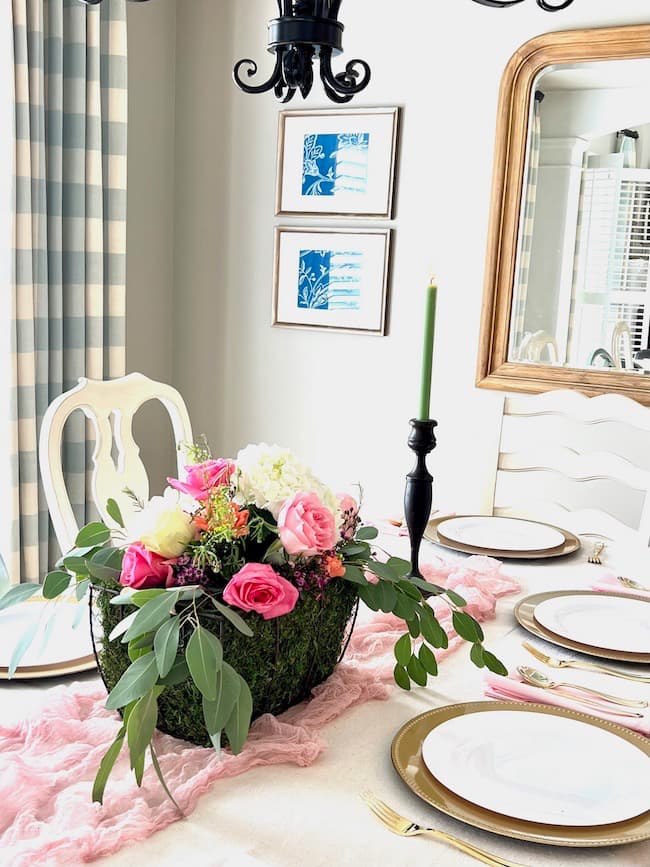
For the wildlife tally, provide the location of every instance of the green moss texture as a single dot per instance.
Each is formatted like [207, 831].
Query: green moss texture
[283, 661]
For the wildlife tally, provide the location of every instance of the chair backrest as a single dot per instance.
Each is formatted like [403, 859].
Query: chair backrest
[110, 405]
[579, 462]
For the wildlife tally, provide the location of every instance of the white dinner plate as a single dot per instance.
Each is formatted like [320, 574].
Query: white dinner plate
[506, 534]
[610, 622]
[54, 649]
[540, 768]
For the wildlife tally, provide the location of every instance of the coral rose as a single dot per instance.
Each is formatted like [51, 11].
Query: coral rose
[201, 479]
[258, 587]
[142, 569]
[306, 526]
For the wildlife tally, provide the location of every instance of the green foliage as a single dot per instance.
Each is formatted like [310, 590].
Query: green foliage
[18, 593]
[204, 657]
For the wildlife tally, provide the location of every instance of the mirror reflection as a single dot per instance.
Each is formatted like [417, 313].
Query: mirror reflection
[581, 293]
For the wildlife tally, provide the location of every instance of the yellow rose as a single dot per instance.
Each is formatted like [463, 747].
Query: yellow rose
[163, 527]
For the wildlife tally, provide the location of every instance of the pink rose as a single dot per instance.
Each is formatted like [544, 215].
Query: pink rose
[142, 568]
[306, 526]
[201, 479]
[349, 515]
[258, 587]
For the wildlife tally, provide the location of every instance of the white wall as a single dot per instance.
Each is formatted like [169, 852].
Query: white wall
[342, 401]
[150, 218]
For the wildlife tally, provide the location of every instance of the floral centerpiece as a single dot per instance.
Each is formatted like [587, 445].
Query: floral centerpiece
[196, 586]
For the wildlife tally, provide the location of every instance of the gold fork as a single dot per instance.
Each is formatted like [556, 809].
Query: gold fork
[405, 828]
[599, 547]
[584, 666]
[632, 585]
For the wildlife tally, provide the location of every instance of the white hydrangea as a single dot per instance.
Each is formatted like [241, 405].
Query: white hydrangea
[268, 475]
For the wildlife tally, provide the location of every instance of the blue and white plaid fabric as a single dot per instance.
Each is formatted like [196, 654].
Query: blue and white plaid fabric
[68, 304]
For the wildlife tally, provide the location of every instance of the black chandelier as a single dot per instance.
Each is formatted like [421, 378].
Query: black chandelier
[543, 4]
[304, 31]
[308, 30]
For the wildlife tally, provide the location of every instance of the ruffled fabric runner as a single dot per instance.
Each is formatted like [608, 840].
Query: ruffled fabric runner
[48, 763]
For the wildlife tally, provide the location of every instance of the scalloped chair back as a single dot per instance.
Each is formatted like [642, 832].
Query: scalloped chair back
[110, 405]
[578, 462]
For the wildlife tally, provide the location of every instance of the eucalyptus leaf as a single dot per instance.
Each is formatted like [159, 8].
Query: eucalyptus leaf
[151, 615]
[204, 656]
[217, 713]
[356, 549]
[138, 769]
[240, 719]
[22, 645]
[366, 534]
[159, 774]
[84, 552]
[476, 655]
[55, 583]
[18, 593]
[456, 598]
[141, 726]
[237, 621]
[467, 627]
[141, 597]
[122, 626]
[178, 673]
[81, 588]
[106, 766]
[495, 665]
[103, 573]
[114, 511]
[431, 629]
[165, 644]
[417, 671]
[138, 679]
[108, 557]
[355, 575]
[414, 627]
[405, 607]
[402, 650]
[369, 595]
[407, 587]
[428, 588]
[387, 596]
[401, 677]
[383, 570]
[428, 660]
[399, 566]
[80, 614]
[75, 564]
[92, 534]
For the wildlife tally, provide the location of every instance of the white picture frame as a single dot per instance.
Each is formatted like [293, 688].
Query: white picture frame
[331, 279]
[338, 163]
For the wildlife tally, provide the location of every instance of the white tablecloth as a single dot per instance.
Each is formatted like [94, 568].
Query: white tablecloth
[284, 816]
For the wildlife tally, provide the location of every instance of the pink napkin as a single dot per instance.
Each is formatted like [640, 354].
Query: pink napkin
[512, 689]
[608, 584]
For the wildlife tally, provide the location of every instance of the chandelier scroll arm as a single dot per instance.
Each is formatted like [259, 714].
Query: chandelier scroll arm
[344, 83]
[251, 70]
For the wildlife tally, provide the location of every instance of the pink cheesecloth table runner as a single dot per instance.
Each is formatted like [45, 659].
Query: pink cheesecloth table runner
[48, 762]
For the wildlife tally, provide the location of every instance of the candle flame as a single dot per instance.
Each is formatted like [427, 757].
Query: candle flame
[433, 281]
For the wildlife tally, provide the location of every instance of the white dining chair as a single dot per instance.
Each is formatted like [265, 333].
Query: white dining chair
[578, 462]
[110, 405]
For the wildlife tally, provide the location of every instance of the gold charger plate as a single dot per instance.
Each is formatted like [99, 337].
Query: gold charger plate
[525, 614]
[406, 753]
[56, 669]
[572, 543]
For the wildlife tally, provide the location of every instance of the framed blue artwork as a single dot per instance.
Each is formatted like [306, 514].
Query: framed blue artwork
[331, 278]
[337, 163]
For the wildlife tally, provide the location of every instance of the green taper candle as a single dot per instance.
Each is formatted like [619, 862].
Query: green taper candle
[427, 349]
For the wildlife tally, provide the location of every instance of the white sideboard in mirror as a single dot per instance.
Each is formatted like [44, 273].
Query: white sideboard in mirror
[567, 296]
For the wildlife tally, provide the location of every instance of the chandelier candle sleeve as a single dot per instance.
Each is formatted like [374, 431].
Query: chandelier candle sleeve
[427, 349]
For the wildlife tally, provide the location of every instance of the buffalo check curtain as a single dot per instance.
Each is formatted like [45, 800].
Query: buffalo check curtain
[68, 299]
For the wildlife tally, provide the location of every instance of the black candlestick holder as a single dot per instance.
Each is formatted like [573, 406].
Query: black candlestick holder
[419, 487]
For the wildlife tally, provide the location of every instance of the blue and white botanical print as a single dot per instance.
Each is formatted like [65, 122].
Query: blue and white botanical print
[335, 163]
[329, 279]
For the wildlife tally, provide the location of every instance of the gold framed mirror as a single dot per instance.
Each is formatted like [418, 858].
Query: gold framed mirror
[567, 282]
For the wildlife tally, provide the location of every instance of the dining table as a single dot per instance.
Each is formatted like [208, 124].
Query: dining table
[288, 816]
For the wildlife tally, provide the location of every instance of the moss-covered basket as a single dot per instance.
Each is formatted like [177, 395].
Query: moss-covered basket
[284, 660]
